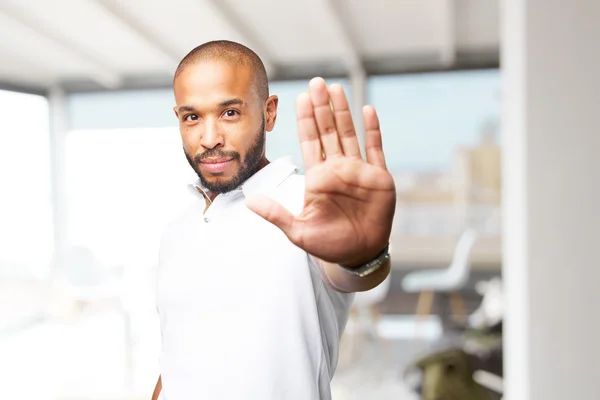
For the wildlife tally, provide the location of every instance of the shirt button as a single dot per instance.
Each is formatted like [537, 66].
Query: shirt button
[206, 219]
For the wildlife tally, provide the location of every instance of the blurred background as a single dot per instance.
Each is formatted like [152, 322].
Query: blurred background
[91, 170]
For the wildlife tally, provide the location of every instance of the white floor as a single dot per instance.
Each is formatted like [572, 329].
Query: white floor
[84, 359]
[373, 369]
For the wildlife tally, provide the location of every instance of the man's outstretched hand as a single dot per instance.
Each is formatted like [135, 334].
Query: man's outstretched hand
[349, 202]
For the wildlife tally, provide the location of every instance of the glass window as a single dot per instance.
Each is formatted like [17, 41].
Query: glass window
[123, 186]
[441, 140]
[25, 213]
[425, 117]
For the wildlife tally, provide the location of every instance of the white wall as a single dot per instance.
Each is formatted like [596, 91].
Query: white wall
[551, 92]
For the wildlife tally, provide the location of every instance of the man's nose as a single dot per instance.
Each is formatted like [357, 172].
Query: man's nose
[212, 136]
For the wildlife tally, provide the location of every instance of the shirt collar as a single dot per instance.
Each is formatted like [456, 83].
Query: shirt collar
[269, 177]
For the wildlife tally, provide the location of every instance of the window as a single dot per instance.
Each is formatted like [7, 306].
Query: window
[123, 186]
[426, 117]
[441, 139]
[25, 212]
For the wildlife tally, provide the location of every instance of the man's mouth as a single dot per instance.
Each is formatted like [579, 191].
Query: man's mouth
[216, 165]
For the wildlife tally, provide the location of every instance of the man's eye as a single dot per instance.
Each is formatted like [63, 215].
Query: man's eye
[191, 117]
[231, 113]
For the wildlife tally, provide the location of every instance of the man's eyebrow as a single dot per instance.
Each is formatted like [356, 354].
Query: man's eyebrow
[226, 103]
[232, 102]
[186, 108]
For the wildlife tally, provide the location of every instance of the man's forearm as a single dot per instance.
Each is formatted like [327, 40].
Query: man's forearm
[157, 389]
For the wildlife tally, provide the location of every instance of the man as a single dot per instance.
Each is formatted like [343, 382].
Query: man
[255, 280]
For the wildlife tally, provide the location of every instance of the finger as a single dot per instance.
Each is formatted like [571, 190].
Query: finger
[373, 143]
[273, 212]
[343, 121]
[319, 96]
[310, 143]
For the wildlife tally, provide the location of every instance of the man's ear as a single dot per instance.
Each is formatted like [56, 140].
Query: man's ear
[271, 112]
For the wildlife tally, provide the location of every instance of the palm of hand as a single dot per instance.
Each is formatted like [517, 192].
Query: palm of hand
[349, 202]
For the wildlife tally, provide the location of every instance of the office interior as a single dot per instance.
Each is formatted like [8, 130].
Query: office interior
[489, 120]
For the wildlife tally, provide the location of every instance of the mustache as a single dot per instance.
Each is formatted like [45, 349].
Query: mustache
[216, 153]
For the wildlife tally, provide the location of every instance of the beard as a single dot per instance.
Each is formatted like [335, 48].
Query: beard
[248, 166]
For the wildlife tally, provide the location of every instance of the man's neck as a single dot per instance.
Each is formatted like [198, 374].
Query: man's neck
[211, 196]
[263, 163]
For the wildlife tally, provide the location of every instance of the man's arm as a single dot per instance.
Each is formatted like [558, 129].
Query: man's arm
[343, 281]
[157, 389]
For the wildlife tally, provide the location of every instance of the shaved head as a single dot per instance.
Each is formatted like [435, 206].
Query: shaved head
[224, 110]
[231, 53]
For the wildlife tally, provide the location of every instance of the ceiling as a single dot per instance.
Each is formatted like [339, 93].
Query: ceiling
[85, 45]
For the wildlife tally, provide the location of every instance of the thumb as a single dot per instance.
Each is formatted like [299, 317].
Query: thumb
[272, 211]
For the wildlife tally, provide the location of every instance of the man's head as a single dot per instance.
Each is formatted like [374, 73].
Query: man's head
[224, 109]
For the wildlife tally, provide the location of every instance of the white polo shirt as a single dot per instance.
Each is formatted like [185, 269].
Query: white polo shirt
[244, 313]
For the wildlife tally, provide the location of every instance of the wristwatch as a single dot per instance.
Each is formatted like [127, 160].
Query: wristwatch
[371, 266]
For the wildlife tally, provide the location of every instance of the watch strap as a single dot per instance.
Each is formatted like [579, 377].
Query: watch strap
[371, 266]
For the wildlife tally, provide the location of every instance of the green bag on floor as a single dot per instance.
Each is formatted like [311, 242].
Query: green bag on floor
[448, 375]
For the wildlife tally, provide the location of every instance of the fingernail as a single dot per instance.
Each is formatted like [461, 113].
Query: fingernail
[316, 81]
[303, 96]
[336, 86]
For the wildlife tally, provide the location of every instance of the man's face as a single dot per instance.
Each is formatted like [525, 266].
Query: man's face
[222, 122]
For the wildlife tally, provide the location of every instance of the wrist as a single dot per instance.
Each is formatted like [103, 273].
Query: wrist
[365, 259]
[369, 267]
